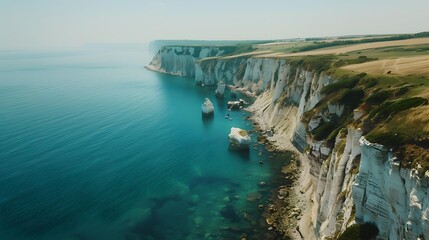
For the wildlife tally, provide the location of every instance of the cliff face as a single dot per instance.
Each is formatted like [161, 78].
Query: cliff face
[177, 60]
[352, 180]
[394, 198]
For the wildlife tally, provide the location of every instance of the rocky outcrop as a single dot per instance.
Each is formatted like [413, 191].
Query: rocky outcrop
[351, 180]
[239, 139]
[207, 107]
[236, 105]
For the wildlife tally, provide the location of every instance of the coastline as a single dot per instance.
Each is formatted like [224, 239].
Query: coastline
[290, 212]
[317, 106]
[150, 68]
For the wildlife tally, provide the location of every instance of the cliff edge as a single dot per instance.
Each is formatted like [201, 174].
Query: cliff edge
[363, 138]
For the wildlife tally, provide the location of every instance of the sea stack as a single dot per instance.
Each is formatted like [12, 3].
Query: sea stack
[239, 139]
[207, 108]
[220, 90]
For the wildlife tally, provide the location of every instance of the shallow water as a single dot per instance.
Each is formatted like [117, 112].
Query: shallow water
[94, 146]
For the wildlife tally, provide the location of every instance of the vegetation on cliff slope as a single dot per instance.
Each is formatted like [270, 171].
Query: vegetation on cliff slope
[393, 100]
[365, 231]
[395, 106]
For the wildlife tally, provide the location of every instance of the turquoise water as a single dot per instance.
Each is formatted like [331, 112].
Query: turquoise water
[94, 146]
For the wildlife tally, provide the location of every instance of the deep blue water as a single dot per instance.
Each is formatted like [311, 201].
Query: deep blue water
[94, 146]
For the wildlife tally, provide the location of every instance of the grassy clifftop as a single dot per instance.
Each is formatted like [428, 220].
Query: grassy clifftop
[390, 86]
[385, 78]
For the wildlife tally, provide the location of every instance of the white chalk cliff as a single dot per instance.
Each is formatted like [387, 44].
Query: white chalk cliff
[220, 90]
[177, 60]
[353, 180]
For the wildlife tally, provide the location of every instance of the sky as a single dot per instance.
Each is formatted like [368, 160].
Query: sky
[31, 24]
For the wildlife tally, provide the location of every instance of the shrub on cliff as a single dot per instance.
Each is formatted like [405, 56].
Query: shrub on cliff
[391, 108]
[379, 97]
[389, 139]
[350, 97]
[365, 231]
[369, 82]
[349, 82]
[324, 130]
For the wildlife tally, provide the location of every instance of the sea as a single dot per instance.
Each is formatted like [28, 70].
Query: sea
[95, 146]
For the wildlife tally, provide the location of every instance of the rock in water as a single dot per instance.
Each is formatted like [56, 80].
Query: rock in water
[239, 138]
[236, 105]
[220, 90]
[207, 108]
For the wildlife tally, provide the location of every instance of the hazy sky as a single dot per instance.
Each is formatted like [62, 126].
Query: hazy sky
[69, 23]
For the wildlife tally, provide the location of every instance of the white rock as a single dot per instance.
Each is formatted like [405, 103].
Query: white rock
[235, 105]
[239, 138]
[207, 107]
[220, 90]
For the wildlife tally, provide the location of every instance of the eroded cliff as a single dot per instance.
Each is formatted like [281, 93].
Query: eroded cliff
[351, 180]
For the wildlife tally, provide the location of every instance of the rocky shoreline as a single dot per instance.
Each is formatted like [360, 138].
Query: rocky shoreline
[282, 213]
[287, 214]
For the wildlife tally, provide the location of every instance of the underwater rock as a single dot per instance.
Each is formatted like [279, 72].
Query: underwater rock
[269, 220]
[252, 197]
[283, 193]
[228, 212]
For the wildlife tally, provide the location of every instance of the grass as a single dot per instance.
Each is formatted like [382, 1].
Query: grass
[308, 44]
[238, 49]
[360, 59]
[351, 98]
[286, 47]
[396, 115]
[323, 131]
[379, 97]
[395, 130]
[391, 108]
[323, 44]
[413, 155]
[387, 138]
[389, 52]
[343, 83]
[408, 134]
[317, 63]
